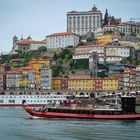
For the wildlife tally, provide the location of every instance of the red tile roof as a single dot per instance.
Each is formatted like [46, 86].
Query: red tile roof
[62, 34]
[28, 42]
[122, 25]
[110, 25]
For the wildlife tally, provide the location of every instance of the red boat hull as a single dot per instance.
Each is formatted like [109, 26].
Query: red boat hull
[80, 116]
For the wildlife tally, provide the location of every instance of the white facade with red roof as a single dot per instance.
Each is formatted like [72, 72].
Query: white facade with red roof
[62, 40]
[27, 44]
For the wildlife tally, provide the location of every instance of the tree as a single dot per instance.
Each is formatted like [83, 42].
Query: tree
[91, 39]
[129, 60]
[106, 18]
[42, 49]
[57, 70]
[55, 56]
[59, 61]
[122, 34]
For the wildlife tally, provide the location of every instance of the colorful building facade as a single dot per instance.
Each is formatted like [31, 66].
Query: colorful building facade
[38, 64]
[127, 79]
[110, 84]
[85, 84]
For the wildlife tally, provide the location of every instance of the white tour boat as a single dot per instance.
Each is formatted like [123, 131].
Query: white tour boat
[31, 100]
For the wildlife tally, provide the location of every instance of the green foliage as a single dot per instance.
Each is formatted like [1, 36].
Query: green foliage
[59, 61]
[130, 60]
[73, 71]
[108, 32]
[106, 18]
[122, 34]
[64, 56]
[62, 61]
[42, 49]
[80, 64]
[57, 70]
[91, 39]
[55, 56]
[20, 55]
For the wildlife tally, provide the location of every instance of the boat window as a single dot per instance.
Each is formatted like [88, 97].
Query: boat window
[1, 101]
[11, 101]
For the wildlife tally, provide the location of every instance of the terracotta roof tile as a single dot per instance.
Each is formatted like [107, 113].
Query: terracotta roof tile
[28, 42]
[110, 25]
[62, 34]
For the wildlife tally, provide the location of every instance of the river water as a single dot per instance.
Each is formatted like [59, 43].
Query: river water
[15, 124]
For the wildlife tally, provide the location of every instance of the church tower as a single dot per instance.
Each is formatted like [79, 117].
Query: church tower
[15, 39]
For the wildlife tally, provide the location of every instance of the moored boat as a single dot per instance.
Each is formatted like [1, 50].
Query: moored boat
[31, 100]
[127, 111]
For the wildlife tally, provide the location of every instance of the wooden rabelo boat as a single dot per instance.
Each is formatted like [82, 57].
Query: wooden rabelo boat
[126, 111]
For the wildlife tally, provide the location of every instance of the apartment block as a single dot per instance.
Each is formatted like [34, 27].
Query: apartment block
[62, 40]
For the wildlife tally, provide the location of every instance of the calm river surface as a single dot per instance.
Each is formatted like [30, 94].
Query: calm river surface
[15, 124]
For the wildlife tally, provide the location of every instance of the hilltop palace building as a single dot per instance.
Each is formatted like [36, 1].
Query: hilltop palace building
[83, 22]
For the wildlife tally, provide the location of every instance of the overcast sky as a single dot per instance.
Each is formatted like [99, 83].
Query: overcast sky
[39, 18]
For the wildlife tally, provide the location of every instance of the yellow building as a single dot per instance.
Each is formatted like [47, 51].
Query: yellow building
[25, 80]
[37, 80]
[85, 84]
[56, 83]
[81, 84]
[104, 39]
[110, 84]
[38, 64]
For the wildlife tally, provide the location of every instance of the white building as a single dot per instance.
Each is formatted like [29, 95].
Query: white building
[135, 27]
[124, 28]
[83, 22]
[61, 40]
[121, 28]
[110, 28]
[106, 53]
[26, 45]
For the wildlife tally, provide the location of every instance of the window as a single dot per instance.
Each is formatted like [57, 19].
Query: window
[1, 101]
[11, 101]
